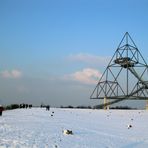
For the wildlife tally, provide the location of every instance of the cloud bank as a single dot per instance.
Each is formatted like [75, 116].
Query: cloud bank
[85, 76]
[15, 74]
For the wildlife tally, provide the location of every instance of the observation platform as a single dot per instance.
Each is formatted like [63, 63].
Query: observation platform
[125, 62]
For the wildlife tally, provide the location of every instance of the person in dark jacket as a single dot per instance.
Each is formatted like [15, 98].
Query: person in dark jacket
[48, 107]
[1, 110]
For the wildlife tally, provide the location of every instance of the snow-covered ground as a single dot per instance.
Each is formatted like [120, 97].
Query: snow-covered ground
[37, 128]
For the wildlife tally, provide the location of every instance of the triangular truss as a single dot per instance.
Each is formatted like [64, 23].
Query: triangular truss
[126, 76]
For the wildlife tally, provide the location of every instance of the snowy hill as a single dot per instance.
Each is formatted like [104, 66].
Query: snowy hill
[38, 128]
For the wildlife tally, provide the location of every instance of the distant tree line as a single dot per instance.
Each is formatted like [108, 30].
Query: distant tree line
[116, 107]
[23, 105]
[96, 107]
[79, 107]
[122, 107]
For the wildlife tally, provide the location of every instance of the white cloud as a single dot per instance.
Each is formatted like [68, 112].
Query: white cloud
[86, 76]
[90, 59]
[11, 74]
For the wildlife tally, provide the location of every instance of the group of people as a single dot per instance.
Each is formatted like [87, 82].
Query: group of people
[45, 106]
[25, 105]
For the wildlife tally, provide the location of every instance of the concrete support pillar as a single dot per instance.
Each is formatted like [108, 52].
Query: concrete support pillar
[146, 104]
[105, 101]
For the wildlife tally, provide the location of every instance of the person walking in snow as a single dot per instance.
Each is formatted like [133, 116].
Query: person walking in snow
[1, 110]
[47, 107]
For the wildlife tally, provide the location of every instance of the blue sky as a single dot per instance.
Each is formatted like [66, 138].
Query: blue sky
[49, 41]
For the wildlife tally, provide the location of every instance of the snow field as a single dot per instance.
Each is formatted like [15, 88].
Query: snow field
[38, 128]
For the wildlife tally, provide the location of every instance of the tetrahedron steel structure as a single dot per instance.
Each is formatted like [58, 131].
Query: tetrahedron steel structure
[126, 76]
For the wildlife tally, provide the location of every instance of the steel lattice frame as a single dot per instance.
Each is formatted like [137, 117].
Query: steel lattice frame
[126, 76]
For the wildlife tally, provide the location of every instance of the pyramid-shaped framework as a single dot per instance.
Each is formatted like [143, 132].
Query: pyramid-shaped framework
[126, 76]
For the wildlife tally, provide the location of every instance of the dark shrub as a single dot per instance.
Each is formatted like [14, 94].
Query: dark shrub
[12, 106]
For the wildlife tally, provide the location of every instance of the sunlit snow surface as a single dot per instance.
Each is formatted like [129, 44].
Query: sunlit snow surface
[36, 128]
